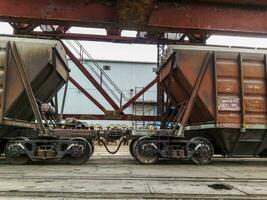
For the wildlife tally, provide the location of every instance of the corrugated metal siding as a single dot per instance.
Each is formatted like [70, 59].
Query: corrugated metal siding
[234, 72]
[233, 90]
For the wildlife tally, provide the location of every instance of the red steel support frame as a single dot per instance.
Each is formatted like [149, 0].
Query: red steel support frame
[109, 38]
[102, 91]
[59, 12]
[80, 88]
[91, 79]
[110, 117]
[121, 116]
[134, 98]
[236, 18]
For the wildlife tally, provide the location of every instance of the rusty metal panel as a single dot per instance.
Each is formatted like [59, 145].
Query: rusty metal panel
[229, 86]
[233, 91]
[228, 90]
[217, 16]
[47, 72]
[181, 80]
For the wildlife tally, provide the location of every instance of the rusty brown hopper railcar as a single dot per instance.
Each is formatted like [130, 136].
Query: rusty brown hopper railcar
[230, 106]
[46, 69]
[32, 71]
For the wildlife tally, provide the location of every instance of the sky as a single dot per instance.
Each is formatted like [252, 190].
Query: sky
[143, 53]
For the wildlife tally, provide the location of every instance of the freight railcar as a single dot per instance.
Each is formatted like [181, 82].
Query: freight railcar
[215, 103]
[32, 71]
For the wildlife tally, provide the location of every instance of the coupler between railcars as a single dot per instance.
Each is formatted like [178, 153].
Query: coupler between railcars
[151, 149]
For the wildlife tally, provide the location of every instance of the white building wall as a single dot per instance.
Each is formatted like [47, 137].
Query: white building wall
[126, 75]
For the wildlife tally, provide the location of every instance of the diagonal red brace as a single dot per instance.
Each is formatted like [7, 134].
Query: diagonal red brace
[63, 29]
[91, 79]
[134, 98]
[80, 88]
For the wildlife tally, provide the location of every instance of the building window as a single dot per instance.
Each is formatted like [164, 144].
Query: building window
[106, 67]
[154, 69]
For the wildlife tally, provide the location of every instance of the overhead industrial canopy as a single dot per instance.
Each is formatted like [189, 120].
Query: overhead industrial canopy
[194, 16]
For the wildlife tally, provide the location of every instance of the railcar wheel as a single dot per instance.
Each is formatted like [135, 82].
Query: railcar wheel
[131, 147]
[80, 151]
[203, 151]
[263, 154]
[14, 152]
[145, 151]
[92, 147]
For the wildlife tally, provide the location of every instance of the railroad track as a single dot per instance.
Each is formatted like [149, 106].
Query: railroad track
[217, 188]
[58, 195]
[121, 177]
[144, 178]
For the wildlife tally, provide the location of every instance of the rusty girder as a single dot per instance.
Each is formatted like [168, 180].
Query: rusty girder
[202, 16]
[119, 39]
[127, 117]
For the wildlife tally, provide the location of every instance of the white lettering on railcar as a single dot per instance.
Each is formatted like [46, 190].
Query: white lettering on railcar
[228, 103]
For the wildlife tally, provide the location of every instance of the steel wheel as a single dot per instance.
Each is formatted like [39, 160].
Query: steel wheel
[92, 147]
[145, 151]
[10, 147]
[80, 152]
[131, 147]
[203, 151]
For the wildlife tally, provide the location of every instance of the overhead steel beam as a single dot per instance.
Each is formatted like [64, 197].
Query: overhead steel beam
[111, 38]
[181, 16]
[22, 28]
[210, 18]
[238, 2]
[113, 117]
[63, 12]
[63, 29]
[135, 12]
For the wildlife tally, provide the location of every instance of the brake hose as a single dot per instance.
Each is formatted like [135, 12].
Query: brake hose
[112, 152]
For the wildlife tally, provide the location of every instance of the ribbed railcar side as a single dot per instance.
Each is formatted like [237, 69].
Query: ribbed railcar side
[231, 102]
